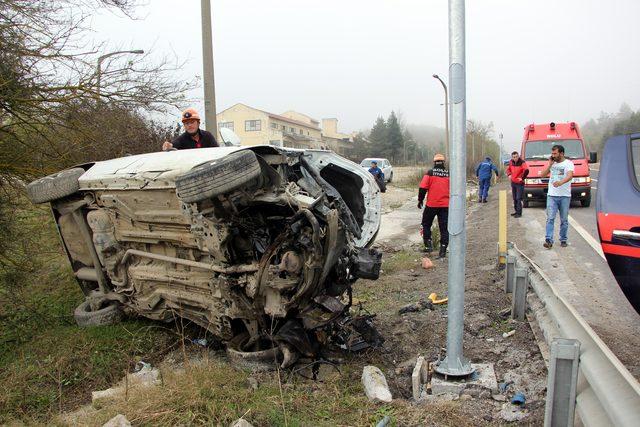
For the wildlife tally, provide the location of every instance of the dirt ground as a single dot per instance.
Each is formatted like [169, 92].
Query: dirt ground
[516, 358]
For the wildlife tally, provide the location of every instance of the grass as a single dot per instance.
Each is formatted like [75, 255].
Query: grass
[209, 393]
[402, 260]
[47, 363]
[411, 181]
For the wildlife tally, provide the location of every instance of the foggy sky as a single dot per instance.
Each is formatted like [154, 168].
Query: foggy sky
[527, 60]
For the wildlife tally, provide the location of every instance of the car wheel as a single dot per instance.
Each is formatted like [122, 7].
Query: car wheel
[391, 177]
[525, 204]
[105, 312]
[218, 177]
[55, 186]
[255, 359]
[586, 202]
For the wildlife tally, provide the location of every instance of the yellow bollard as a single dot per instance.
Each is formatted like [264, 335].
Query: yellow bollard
[502, 227]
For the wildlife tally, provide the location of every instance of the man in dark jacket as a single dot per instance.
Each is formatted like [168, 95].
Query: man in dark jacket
[193, 136]
[517, 172]
[435, 185]
[483, 172]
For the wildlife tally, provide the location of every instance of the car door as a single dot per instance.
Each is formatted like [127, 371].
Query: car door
[618, 212]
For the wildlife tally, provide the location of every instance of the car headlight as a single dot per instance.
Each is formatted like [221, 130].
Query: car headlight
[533, 181]
[581, 180]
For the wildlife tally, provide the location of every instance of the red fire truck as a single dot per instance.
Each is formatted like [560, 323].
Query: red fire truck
[536, 149]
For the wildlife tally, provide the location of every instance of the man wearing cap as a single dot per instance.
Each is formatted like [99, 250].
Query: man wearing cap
[193, 136]
[435, 185]
[378, 175]
[483, 172]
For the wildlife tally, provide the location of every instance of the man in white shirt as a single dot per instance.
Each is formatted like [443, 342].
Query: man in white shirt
[560, 169]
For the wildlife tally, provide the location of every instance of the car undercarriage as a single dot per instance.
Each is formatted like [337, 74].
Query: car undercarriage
[255, 245]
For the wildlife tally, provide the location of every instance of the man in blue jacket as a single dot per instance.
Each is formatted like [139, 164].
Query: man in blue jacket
[378, 175]
[483, 172]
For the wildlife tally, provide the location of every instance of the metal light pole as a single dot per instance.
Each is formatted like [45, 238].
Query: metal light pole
[501, 162]
[105, 56]
[446, 111]
[455, 363]
[207, 65]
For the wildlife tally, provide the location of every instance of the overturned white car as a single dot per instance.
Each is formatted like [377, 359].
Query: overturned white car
[255, 244]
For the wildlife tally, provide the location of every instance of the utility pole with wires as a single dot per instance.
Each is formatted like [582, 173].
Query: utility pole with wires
[207, 66]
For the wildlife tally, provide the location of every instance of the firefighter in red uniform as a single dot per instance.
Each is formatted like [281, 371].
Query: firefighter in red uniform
[435, 185]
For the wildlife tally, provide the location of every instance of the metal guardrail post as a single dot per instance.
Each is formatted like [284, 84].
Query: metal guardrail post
[562, 383]
[510, 275]
[519, 296]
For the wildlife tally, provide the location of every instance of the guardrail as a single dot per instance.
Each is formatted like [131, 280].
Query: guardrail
[605, 393]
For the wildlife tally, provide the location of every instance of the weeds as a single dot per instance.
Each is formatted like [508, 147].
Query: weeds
[47, 363]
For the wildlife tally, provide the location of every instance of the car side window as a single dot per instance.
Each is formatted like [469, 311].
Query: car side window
[635, 159]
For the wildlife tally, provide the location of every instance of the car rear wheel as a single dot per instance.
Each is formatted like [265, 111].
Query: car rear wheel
[55, 186]
[218, 177]
[101, 313]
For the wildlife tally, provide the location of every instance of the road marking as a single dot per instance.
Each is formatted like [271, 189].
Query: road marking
[586, 236]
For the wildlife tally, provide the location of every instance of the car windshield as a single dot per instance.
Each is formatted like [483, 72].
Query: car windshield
[367, 162]
[542, 149]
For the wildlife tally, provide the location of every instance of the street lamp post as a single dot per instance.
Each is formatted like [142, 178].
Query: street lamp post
[446, 110]
[105, 56]
[500, 156]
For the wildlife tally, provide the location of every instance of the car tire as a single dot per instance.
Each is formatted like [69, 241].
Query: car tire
[109, 313]
[525, 204]
[218, 177]
[586, 202]
[55, 186]
[257, 361]
[390, 177]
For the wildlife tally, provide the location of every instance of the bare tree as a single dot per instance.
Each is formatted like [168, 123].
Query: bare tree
[48, 71]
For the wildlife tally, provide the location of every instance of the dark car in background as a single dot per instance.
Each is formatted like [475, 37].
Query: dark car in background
[618, 212]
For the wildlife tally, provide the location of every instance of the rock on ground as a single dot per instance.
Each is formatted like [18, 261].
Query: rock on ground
[511, 413]
[146, 377]
[375, 385]
[117, 421]
[241, 423]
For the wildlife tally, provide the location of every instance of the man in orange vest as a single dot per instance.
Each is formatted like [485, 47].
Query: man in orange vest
[435, 185]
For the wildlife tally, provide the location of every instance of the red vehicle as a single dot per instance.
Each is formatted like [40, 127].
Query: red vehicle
[536, 149]
[618, 212]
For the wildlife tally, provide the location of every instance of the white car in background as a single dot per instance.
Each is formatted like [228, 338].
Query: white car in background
[383, 164]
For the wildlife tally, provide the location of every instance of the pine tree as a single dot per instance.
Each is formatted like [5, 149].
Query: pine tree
[395, 140]
[379, 138]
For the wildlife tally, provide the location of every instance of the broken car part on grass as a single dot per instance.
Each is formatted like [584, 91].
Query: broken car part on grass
[258, 245]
